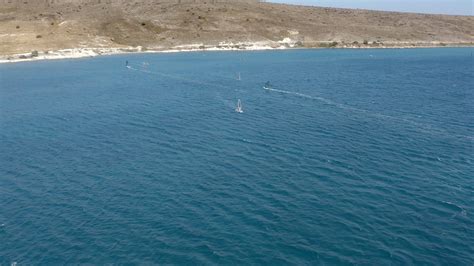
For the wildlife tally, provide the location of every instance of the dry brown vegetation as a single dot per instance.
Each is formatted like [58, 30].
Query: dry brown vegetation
[156, 24]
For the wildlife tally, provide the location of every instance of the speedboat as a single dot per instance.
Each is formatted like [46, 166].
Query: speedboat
[267, 86]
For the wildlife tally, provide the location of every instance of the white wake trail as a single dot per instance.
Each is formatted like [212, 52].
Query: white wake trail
[302, 95]
[178, 78]
[422, 127]
[227, 102]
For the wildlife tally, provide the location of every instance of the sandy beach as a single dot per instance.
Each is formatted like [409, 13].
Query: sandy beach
[249, 46]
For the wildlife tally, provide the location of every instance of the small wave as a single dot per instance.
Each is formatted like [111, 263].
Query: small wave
[456, 208]
[247, 141]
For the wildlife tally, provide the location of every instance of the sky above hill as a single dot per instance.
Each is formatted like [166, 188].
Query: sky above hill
[452, 7]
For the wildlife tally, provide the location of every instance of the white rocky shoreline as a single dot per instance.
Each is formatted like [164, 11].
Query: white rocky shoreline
[223, 46]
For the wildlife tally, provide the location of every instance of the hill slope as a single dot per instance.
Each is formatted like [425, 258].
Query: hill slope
[165, 24]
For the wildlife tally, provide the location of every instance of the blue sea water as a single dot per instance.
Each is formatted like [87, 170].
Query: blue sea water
[353, 157]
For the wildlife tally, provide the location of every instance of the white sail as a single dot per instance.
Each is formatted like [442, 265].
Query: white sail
[239, 109]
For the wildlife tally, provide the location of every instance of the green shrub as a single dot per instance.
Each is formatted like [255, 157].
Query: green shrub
[328, 45]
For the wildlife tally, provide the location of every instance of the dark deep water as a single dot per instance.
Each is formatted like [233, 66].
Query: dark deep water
[354, 157]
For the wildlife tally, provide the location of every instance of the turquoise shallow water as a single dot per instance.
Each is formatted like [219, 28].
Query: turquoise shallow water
[354, 157]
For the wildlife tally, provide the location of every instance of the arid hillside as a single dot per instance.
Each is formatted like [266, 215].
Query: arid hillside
[44, 25]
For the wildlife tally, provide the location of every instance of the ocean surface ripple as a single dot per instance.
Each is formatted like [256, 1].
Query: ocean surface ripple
[352, 157]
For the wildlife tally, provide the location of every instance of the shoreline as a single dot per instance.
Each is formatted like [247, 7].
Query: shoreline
[88, 52]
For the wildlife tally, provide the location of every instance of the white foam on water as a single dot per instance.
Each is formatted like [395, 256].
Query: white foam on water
[462, 211]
